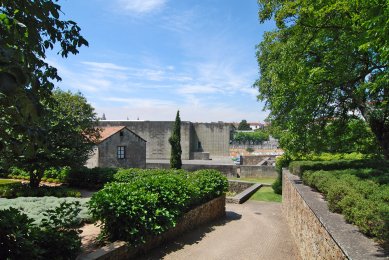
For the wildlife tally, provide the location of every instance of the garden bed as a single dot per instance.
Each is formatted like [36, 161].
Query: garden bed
[243, 190]
[200, 215]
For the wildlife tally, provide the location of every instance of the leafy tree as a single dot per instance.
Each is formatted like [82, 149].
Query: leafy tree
[72, 129]
[29, 28]
[326, 61]
[243, 125]
[103, 117]
[256, 137]
[175, 142]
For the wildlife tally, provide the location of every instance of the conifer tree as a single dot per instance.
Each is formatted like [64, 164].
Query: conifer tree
[175, 142]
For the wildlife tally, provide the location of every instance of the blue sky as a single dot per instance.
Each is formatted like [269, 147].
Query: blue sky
[148, 58]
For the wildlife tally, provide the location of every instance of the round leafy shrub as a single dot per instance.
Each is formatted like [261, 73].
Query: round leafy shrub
[146, 203]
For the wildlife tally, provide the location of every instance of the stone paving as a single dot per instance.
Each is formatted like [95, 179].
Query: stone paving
[253, 230]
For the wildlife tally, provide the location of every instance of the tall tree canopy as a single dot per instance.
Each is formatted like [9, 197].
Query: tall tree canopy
[175, 142]
[327, 61]
[243, 125]
[28, 28]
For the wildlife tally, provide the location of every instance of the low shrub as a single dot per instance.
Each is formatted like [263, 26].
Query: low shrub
[56, 237]
[281, 162]
[298, 167]
[56, 175]
[362, 200]
[18, 189]
[146, 203]
[36, 207]
[94, 178]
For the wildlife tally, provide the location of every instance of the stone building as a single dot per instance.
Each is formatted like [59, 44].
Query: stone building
[198, 140]
[118, 147]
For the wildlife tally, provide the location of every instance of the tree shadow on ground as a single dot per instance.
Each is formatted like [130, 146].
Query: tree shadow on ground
[189, 238]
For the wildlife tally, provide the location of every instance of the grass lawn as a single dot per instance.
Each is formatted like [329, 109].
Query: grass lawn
[6, 181]
[266, 194]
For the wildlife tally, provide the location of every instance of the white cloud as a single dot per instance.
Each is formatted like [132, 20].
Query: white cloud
[141, 6]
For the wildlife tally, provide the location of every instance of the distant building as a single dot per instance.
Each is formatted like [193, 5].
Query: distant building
[200, 141]
[118, 147]
[255, 126]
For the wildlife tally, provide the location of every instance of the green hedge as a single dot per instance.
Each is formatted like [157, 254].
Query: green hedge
[17, 189]
[298, 167]
[361, 195]
[52, 174]
[146, 203]
[94, 178]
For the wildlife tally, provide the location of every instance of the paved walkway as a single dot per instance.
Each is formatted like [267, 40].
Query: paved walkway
[253, 230]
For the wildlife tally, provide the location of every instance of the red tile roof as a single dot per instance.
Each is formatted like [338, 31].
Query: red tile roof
[108, 131]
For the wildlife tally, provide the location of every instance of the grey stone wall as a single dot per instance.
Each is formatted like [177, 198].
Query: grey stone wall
[135, 155]
[213, 137]
[228, 170]
[157, 134]
[93, 160]
[319, 233]
[262, 171]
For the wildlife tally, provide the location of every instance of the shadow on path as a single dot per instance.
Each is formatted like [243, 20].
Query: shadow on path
[190, 238]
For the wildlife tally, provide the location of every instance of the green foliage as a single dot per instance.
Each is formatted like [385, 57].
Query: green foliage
[175, 142]
[243, 125]
[17, 189]
[256, 137]
[145, 203]
[28, 29]
[36, 207]
[358, 195]
[281, 162]
[94, 178]
[50, 175]
[299, 167]
[266, 194]
[324, 74]
[55, 238]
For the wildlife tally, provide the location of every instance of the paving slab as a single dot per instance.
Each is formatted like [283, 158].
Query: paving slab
[253, 230]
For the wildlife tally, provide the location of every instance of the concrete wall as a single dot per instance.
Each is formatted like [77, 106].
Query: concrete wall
[262, 171]
[135, 151]
[252, 159]
[93, 160]
[228, 170]
[319, 233]
[157, 134]
[214, 138]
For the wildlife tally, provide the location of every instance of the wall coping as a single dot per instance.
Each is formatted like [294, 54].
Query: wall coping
[244, 195]
[353, 244]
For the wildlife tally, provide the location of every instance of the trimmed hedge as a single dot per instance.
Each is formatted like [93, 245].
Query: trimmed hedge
[146, 203]
[298, 167]
[361, 195]
[18, 189]
[52, 174]
[94, 178]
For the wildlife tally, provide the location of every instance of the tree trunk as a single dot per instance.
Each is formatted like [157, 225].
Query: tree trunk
[381, 132]
[35, 179]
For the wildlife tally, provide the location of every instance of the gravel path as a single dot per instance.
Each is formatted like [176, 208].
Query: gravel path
[253, 230]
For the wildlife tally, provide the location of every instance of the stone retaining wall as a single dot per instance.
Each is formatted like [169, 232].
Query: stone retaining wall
[319, 233]
[258, 171]
[205, 213]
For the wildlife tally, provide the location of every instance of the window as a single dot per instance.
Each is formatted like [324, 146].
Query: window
[121, 152]
[121, 133]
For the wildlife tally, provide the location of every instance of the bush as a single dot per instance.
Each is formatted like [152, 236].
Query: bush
[362, 200]
[36, 207]
[298, 167]
[94, 178]
[55, 238]
[14, 190]
[146, 203]
[281, 162]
